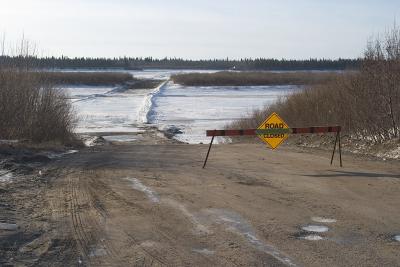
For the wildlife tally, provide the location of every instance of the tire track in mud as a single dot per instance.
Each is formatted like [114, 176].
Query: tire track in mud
[149, 258]
[153, 257]
[59, 197]
[87, 231]
[176, 253]
[92, 200]
[80, 235]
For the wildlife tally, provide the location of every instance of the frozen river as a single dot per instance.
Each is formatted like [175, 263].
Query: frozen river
[191, 109]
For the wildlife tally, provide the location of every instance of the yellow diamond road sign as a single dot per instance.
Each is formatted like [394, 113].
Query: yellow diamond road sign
[275, 133]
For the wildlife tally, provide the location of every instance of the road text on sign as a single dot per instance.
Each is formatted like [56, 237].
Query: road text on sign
[273, 131]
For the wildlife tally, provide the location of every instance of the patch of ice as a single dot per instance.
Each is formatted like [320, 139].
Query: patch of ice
[391, 154]
[136, 184]
[240, 226]
[114, 113]
[5, 176]
[8, 226]
[93, 141]
[315, 228]
[204, 251]
[323, 220]
[120, 138]
[163, 74]
[200, 228]
[97, 252]
[145, 112]
[7, 142]
[60, 155]
[312, 237]
[193, 109]
[148, 243]
[397, 238]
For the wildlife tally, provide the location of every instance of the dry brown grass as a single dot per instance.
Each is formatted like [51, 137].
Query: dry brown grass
[86, 78]
[228, 78]
[30, 108]
[365, 104]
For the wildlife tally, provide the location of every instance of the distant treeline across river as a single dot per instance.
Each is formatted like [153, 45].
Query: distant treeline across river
[137, 63]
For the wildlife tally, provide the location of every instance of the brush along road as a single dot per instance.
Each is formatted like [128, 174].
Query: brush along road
[151, 204]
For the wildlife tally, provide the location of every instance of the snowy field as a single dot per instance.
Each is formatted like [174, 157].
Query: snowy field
[191, 109]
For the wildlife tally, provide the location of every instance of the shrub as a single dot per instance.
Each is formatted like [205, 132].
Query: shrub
[31, 108]
[86, 78]
[366, 104]
[226, 78]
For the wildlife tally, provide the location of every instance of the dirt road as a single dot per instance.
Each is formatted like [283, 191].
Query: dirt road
[151, 204]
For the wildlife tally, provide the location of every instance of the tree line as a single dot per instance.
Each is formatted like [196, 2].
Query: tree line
[137, 63]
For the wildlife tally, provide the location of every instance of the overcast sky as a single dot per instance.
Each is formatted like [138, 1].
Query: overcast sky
[198, 29]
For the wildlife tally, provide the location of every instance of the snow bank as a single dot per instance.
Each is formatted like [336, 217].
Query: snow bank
[145, 112]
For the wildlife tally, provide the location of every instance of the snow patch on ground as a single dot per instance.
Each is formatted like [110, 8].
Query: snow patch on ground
[91, 141]
[120, 138]
[8, 226]
[5, 176]
[315, 228]
[204, 251]
[8, 142]
[62, 154]
[312, 237]
[97, 252]
[199, 227]
[391, 154]
[235, 223]
[323, 220]
[151, 195]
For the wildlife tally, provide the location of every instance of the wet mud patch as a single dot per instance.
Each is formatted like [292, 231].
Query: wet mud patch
[10, 244]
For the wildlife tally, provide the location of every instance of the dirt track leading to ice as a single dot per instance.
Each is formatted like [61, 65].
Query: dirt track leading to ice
[151, 204]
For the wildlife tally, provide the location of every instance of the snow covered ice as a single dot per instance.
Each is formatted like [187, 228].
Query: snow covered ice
[191, 110]
[197, 109]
